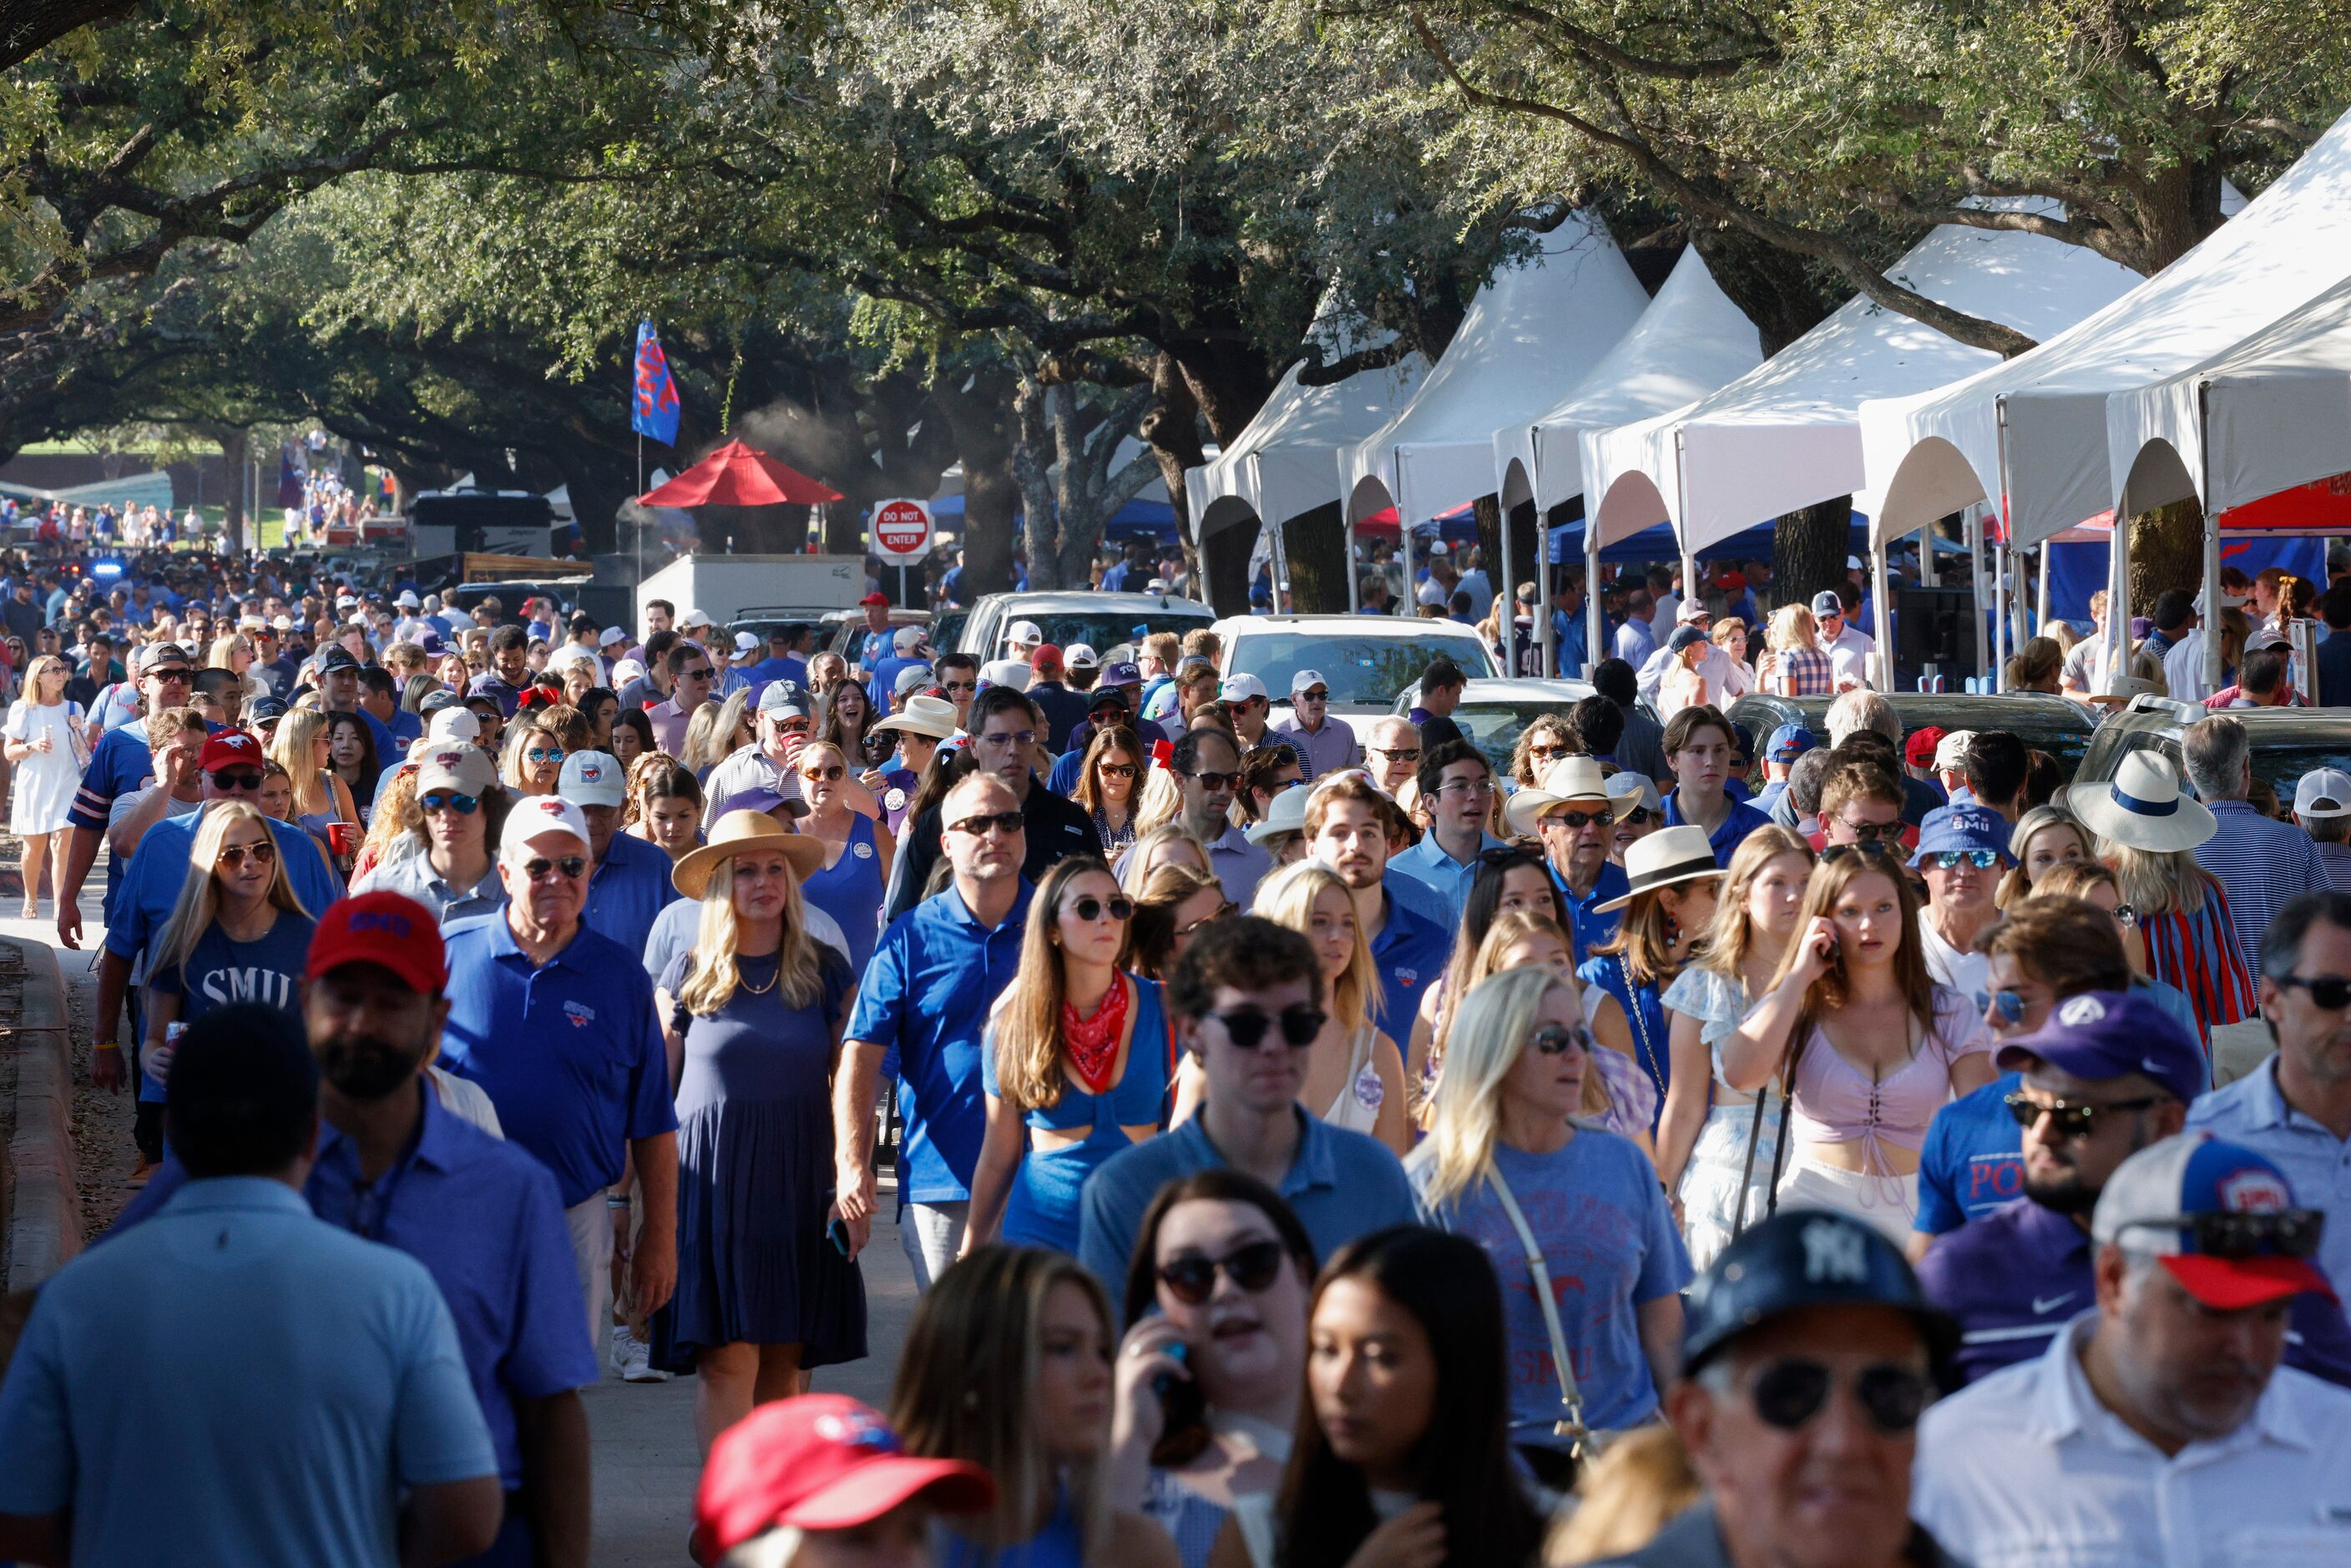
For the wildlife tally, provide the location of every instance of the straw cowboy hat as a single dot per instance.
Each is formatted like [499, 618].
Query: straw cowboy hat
[2141, 806]
[1569, 779]
[736, 832]
[1666, 856]
[934, 717]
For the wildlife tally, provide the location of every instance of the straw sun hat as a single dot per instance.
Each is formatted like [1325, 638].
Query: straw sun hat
[737, 831]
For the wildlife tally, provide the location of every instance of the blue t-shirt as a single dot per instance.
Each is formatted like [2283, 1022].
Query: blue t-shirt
[118, 764]
[1609, 1245]
[159, 869]
[220, 971]
[935, 973]
[1973, 1159]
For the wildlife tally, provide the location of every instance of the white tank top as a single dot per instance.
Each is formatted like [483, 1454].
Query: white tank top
[1357, 1108]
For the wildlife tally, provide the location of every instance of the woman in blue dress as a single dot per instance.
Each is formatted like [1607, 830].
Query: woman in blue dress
[1074, 1061]
[849, 885]
[753, 1016]
[1671, 902]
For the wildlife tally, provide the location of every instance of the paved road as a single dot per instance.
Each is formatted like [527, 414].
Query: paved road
[646, 1466]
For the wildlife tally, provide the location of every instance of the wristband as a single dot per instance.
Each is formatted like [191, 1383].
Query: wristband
[107, 1045]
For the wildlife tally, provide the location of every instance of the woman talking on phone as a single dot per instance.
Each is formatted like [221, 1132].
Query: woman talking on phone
[1861, 1040]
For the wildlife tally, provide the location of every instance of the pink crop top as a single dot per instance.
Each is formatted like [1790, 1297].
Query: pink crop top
[1836, 1104]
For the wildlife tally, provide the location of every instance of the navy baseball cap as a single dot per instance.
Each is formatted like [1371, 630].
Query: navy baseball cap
[2221, 1218]
[1789, 742]
[334, 657]
[1800, 1258]
[1962, 828]
[2107, 1034]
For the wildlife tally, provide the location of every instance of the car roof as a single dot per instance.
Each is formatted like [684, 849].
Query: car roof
[1367, 625]
[1050, 602]
[2013, 711]
[1519, 690]
[2278, 725]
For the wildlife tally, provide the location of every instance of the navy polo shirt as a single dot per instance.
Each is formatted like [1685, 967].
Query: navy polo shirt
[934, 976]
[159, 869]
[568, 1052]
[1973, 1159]
[1411, 950]
[2019, 1276]
[629, 890]
[1743, 820]
[1587, 927]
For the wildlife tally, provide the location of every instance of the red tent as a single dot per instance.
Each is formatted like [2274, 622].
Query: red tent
[735, 475]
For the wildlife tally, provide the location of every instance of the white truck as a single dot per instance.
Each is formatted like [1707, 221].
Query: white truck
[723, 586]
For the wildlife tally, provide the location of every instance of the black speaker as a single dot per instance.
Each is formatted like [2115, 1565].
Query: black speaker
[1935, 626]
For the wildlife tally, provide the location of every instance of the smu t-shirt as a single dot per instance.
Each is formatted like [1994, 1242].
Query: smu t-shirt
[220, 971]
[1972, 1160]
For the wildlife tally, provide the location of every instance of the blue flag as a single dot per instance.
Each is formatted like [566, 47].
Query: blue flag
[654, 410]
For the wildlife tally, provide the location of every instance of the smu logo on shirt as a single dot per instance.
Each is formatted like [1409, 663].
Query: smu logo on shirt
[266, 986]
[581, 1014]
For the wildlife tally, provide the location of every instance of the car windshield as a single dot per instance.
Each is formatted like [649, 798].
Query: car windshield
[2279, 765]
[1361, 669]
[1494, 728]
[1099, 629]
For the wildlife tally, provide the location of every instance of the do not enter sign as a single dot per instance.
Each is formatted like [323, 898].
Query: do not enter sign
[902, 529]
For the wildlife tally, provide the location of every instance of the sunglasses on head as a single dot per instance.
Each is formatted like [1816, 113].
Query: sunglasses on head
[2329, 993]
[574, 868]
[1247, 1027]
[1191, 1277]
[234, 855]
[237, 778]
[1091, 909]
[1951, 860]
[1005, 823]
[1788, 1395]
[1224, 909]
[445, 800]
[2069, 1119]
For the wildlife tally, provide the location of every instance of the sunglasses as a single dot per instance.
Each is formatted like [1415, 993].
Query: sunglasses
[1315, 695]
[792, 726]
[234, 855]
[1005, 823]
[1548, 753]
[1557, 1039]
[1212, 782]
[1003, 742]
[1091, 909]
[830, 771]
[1952, 859]
[1787, 1394]
[545, 754]
[1247, 1027]
[1223, 910]
[1641, 816]
[698, 676]
[1873, 832]
[237, 778]
[2009, 1007]
[959, 686]
[440, 801]
[2286, 1232]
[574, 868]
[1252, 1266]
[1576, 822]
[1408, 754]
[1115, 769]
[2070, 1121]
[2329, 993]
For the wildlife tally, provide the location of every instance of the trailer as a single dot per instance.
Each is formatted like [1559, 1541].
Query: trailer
[723, 586]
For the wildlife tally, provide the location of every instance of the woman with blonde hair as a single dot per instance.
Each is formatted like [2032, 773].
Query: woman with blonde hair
[1643, 1479]
[229, 652]
[1074, 1061]
[1673, 880]
[715, 733]
[1008, 1365]
[1173, 902]
[1158, 802]
[1730, 634]
[1704, 1135]
[752, 1016]
[237, 932]
[1798, 668]
[302, 748]
[1864, 1044]
[532, 763]
[1167, 844]
[1504, 1123]
[2035, 667]
[1506, 880]
[44, 740]
[1355, 1073]
[2043, 838]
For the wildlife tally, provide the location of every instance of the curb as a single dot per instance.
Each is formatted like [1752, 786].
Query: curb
[44, 1203]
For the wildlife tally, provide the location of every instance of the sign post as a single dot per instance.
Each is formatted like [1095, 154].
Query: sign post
[901, 533]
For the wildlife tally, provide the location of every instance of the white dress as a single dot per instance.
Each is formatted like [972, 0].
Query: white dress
[47, 780]
[1711, 1181]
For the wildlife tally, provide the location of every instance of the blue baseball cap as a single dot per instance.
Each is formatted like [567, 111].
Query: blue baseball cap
[2107, 1034]
[1789, 742]
[2221, 1218]
[1961, 827]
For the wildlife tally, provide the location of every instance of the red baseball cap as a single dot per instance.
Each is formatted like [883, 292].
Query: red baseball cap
[229, 748]
[1919, 749]
[820, 1461]
[384, 928]
[1048, 656]
[882, 599]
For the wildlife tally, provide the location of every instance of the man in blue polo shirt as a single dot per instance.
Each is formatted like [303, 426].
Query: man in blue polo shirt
[1458, 785]
[630, 887]
[1698, 747]
[1247, 1001]
[119, 763]
[1574, 816]
[1346, 828]
[556, 1024]
[926, 995]
[237, 1381]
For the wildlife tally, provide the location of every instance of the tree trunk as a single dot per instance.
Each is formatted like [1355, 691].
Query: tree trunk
[1809, 550]
[1032, 460]
[235, 444]
[2167, 551]
[1223, 568]
[1316, 543]
[981, 416]
[845, 528]
[1172, 431]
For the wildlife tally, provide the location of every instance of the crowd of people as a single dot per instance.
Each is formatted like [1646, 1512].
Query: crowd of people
[1660, 1145]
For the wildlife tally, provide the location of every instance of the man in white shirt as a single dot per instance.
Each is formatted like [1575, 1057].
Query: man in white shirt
[2085, 670]
[2183, 666]
[1961, 850]
[2159, 1429]
[1841, 639]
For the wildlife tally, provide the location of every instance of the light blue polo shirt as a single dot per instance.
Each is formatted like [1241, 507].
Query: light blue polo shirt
[569, 1053]
[1342, 1184]
[1427, 862]
[935, 975]
[159, 868]
[630, 889]
[237, 1383]
[1411, 950]
[2317, 1165]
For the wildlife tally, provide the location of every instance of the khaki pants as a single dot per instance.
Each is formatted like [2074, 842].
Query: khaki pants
[591, 1224]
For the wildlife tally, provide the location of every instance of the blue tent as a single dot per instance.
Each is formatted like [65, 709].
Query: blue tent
[1135, 520]
[1657, 543]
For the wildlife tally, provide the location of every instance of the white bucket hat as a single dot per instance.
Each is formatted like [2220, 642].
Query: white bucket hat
[2141, 806]
[1666, 857]
[1569, 779]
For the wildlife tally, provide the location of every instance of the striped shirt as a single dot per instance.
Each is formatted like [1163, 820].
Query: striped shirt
[2262, 862]
[2199, 954]
[1805, 673]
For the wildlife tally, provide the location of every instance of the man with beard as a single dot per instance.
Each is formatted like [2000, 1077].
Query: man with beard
[2160, 1428]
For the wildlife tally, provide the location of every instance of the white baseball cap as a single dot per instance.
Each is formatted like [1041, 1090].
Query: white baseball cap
[407, 599]
[906, 638]
[746, 643]
[2228, 601]
[696, 618]
[2322, 792]
[609, 635]
[1080, 656]
[592, 779]
[454, 724]
[1951, 751]
[1023, 634]
[1241, 688]
[282, 623]
[537, 814]
[1306, 681]
[456, 765]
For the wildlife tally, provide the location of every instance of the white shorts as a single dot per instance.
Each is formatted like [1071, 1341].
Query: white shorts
[1889, 1204]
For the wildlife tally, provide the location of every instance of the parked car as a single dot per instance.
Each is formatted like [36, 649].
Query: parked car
[842, 631]
[1369, 661]
[1099, 621]
[2288, 742]
[2058, 725]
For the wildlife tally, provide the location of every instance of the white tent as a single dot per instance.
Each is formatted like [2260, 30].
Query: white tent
[1529, 337]
[2034, 428]
[1690, 340]
[1787, 434]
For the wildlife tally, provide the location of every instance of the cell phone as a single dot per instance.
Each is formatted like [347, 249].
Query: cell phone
[1166, 1383]
[838, 1234]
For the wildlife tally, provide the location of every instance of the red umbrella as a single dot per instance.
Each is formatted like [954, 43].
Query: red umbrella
[735, 475]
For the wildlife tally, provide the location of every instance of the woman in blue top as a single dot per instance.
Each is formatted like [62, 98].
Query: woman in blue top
[1673, 881]
[1075, 1062]
[848, 885]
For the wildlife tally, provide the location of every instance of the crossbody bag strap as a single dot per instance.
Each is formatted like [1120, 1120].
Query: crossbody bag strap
[1571, 1398]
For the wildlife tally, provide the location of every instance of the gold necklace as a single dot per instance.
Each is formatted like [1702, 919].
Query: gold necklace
[773, 980]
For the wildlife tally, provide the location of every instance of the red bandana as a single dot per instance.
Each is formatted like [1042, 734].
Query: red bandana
[1092, 1043]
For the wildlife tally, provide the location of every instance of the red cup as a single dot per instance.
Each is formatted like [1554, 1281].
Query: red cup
[344, 838]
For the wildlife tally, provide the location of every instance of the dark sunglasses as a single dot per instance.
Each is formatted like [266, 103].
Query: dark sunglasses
[1557, 1039]
[1090, 908]
[2329, 993]
[1192, 1276]
[2068, 1120]
[237, 778]
[1873, 832]
[697, 675]
[1005, 823]
[574, 868]
[1212, 782]
[1548, 753]
[463, 805]
[1951, 860]
[232, 855]
[1407, 754]
[959, 686]
[1247, 1027]
[1576, 822]
[1787, 1394]
[2283, 1233]
[1115, 769]
[1641, 816]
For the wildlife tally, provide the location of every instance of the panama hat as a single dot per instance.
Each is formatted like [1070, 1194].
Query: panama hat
[2141, 806]
[739, 831]
[934, 717]
[1569, 779]
[1666, 856]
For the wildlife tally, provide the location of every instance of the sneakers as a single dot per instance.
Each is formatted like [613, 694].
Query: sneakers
[632, 1358]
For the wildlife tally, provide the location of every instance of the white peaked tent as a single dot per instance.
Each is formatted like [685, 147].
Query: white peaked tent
[1285, 462]
[1529, 337]
[1787, 434]
[2033, 429]
[1690, 340]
